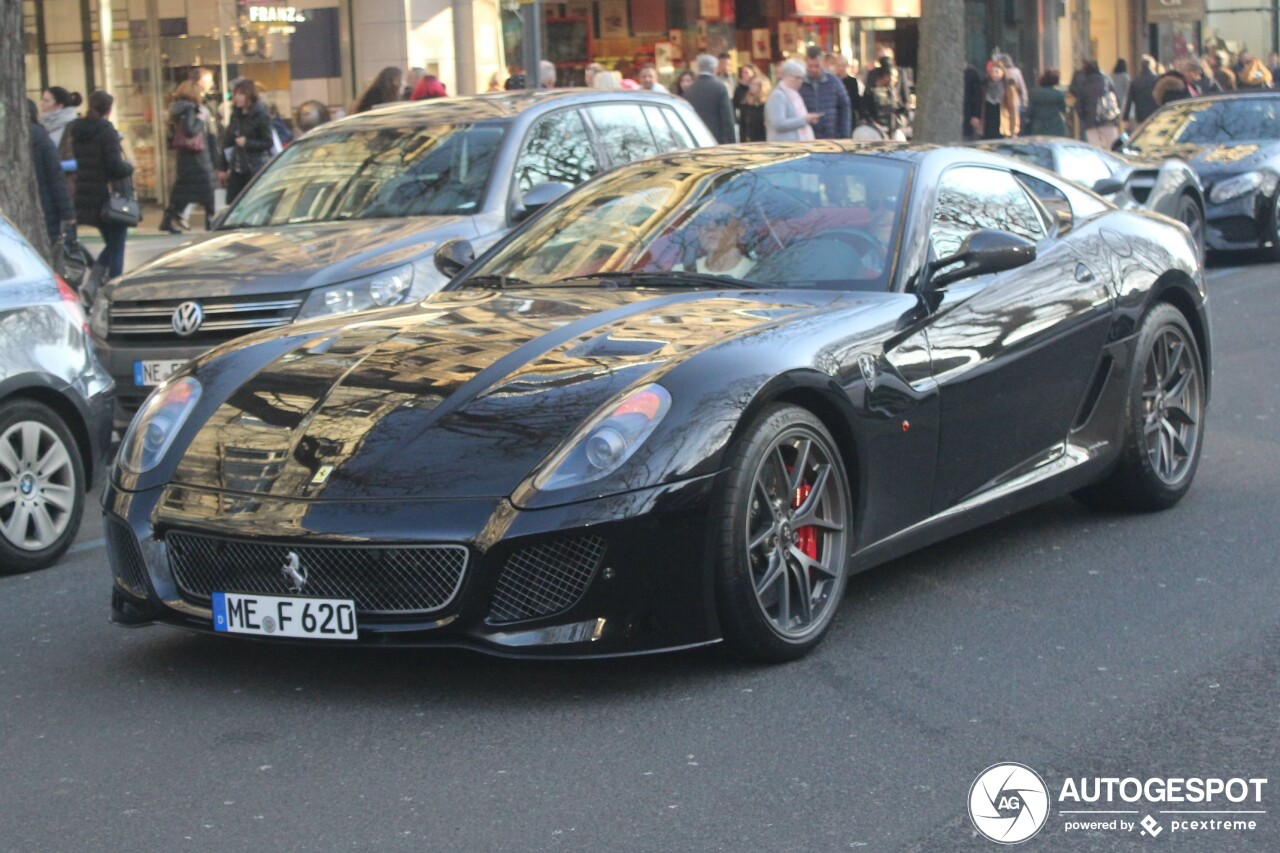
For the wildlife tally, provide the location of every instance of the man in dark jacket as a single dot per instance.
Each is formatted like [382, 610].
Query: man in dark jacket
[825, 95]
[1140, 103]
[55, 201]
[711, 101]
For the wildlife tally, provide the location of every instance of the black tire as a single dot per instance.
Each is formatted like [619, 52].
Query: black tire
[1190, 214]
[768, 620]
[41, 487]
[1273, 251]
[1164, 419]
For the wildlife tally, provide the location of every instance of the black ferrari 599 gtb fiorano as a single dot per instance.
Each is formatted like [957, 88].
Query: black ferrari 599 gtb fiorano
[681, 405]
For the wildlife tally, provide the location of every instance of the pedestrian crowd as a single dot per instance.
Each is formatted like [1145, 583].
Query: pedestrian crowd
[83, 173]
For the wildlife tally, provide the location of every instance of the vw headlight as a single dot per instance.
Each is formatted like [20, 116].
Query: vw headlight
[100, 316]
[155, 426]
[606, 441]
[379, 291]
[1237, 186]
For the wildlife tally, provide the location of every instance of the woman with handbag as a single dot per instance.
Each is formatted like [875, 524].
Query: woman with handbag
[1097, 105]
[248, 138]
[189, 140]
[104, 195]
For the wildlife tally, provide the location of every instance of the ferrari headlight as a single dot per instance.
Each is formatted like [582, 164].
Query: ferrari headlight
[606, 441]
[155, 426]
[379, 291]
[1237, 186]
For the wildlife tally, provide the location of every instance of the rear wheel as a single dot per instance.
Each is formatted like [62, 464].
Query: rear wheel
[1164, 419]
[41, 487]
[784, 522]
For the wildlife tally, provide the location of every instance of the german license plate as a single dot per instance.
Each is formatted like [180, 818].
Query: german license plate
[154, 372]
[278, 616]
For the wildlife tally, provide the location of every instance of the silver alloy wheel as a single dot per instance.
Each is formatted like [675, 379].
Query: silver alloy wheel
[795, 534]
[1190, 216]
[1172, 396]
[37, 486]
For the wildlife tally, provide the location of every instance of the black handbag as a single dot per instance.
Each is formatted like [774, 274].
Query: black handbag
[121, 206]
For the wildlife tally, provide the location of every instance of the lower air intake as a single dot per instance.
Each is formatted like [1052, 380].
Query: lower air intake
[545, 579]
[125, 557]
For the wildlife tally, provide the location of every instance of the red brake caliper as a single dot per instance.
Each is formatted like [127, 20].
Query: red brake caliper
[806, 537]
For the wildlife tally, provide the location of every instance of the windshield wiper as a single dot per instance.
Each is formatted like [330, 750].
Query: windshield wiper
[666, 279]
[499, 282]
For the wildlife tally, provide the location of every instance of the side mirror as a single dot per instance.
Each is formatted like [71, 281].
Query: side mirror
[986, 251]
[537, 198]
[454, 255]
[1108, 186]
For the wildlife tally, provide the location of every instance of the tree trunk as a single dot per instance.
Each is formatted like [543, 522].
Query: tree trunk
[19, 196]
[940, 116]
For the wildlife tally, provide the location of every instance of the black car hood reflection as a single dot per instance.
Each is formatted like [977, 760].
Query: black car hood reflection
[253, 261]
[462, 396]
[1216, 159]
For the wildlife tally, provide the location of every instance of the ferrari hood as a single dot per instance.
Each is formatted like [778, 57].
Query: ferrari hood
[255, 261]
[459, 397]
[1216, 160]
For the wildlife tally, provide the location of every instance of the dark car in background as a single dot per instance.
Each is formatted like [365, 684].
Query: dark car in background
[1233, 144]
[1167, 186]
[681, 405]
[347, 218]
[55, 409]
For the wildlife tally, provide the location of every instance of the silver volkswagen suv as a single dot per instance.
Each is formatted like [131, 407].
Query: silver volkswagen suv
[348, 217]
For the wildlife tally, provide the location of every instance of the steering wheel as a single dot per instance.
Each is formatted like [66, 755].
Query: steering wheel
[860, 240]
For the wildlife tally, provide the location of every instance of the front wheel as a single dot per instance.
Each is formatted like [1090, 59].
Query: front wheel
[41, 487]
[1190, 215]
[1164, 419]
[783, 531]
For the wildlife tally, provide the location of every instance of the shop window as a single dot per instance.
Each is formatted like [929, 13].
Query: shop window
[624, 132]
[557, 149]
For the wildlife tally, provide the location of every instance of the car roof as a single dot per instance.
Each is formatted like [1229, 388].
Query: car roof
[492, 107]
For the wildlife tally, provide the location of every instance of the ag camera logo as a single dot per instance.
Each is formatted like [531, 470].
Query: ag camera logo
[1008, 803]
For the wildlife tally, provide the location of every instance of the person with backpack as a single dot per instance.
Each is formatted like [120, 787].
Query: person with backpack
[189, 139]
[1097, 105]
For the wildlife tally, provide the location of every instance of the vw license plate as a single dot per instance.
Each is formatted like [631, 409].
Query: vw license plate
[277, 616]
[146, 373]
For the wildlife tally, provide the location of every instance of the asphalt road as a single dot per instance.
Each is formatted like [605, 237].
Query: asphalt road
[1078, 643]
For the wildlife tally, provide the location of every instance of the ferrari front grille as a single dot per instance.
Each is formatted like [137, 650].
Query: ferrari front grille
[125, 558]
[381, 580]
[544, 579]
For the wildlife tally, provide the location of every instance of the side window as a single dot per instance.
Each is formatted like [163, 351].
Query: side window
[971, 198]
[556, 149]
[624, 132]
[1082, 165]
[679, 128]
[662, 132]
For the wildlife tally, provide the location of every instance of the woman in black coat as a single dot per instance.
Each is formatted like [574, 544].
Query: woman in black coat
[248, 135]
[100, 161]
[55, 201]
[189, 138]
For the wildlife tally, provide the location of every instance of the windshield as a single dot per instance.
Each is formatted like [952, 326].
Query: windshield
[437, 170]
[1211, 123]
[809, 221]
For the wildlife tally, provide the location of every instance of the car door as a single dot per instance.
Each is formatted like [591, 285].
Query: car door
[1013, 352]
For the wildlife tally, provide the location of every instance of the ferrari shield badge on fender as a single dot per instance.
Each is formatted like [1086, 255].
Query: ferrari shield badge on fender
[867, 363]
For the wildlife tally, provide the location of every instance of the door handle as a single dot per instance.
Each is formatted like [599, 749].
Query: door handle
[1084, 275]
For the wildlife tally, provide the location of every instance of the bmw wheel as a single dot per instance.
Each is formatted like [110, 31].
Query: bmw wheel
[41, 487]
[784, 524]
[1164, 419]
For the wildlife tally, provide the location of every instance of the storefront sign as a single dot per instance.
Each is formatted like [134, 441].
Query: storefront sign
[859, 8]
[1174, 10]
[276, 15]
